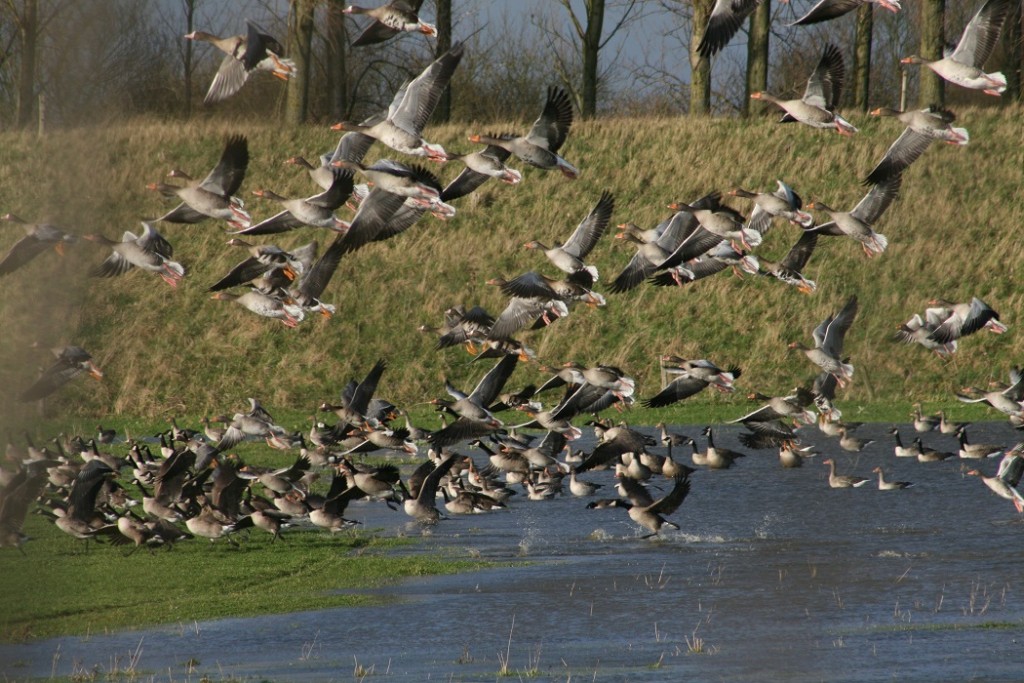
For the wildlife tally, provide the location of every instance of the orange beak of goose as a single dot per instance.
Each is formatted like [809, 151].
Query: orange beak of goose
[94, 371]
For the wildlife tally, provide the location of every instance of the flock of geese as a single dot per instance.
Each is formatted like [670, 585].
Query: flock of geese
[196, 482]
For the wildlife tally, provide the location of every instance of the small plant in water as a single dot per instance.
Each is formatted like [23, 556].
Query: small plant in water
[695, 645]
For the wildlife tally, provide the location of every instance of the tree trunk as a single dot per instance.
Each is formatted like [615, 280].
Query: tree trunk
[190, 15]
[1014, 55]
[931, 90]
[28, 29]
[700, 68]
[757, 58]
[300, 42]
[337, 74]
[862, 57]
[443, 111]
[591, 47]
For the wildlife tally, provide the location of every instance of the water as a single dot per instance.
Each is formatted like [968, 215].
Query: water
[772, 576]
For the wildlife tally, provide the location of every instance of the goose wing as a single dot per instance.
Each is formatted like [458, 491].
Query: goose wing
[877, 200]
[900, 155]
[726, 18]
[981, 34]
[552, 126]
[682, 387]
[826, 10]
[415, 103]
[830, 334]
[825, 86]
[590, 229]
[226, 177]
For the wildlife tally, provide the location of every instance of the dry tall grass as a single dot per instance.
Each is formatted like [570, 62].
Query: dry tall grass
[954, 233]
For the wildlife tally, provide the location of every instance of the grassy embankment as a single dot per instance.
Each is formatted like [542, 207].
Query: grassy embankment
[57, 588]
[170, 352]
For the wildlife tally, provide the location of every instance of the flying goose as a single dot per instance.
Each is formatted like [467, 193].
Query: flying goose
[963, 65]
[255, 51]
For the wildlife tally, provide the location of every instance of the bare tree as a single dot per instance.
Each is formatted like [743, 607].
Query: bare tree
[337, 73]
[300, 41]
[576, 56]
[931, 90]
[1014, 55]
[26, 19]
[757, 58]
[443, 20]
[700, 67]
[862, 57]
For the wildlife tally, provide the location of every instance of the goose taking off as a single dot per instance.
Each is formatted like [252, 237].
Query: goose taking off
[569, 256]
[727, 16]
[963, 65]
[255, 51]
[827, 353]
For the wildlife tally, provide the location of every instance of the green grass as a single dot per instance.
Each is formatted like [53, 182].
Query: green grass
[59, 588]
[175, 352]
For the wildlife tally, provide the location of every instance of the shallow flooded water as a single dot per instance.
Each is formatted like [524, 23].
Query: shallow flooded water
[772, 576]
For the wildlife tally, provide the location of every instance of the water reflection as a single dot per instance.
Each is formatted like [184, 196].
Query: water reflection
[772, 576]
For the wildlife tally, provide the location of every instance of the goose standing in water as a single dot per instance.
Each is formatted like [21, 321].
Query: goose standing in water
[38, 237]
[841, 481]
[214, 195]
[255, 51]
[827, 353]
[540, 146]
[884, 485]
[817, 108]
[963, 65]
[389, 20]
[858, 223]
[147, 251]
[71, 362]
